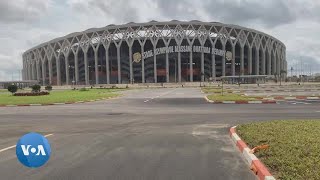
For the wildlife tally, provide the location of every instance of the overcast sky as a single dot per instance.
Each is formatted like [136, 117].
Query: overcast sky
[26, 23]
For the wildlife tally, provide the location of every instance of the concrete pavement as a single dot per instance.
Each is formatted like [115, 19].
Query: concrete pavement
[168, 133]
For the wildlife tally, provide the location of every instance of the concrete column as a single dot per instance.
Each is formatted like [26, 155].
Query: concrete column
[167, 65]
[130, 63]
[107, 65]
[224, 60]
[44, 73]
[191, 66]
[250, 60]
[142, 64]
[119, 64]
[96, 67]
[76, 68]
[242, 60]
[202, 65]
[58, 71]
[213, 65]
[67, 69]
[50, 71]
[154, 64]
[86, 73]
[179, 65]
[269, 63]
[257, 61]
[233, 62]
[263, 64]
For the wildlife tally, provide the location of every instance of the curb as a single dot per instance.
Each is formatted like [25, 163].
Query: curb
[295, 98]
[255, 164]
[50, 104]
[241, 102]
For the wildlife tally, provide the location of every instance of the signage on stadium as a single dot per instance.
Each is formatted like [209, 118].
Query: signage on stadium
[173, 49]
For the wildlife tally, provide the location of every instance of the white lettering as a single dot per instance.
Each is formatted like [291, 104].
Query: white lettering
[25, 150]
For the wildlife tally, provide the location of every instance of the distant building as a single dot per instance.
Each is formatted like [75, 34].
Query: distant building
[154, 52]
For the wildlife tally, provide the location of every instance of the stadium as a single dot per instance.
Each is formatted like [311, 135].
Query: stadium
[155, 52]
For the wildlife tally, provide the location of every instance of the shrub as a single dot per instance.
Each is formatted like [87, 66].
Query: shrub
[32, 94]
[36, 88]
[48, 88]
[84, 89]
[13, 88]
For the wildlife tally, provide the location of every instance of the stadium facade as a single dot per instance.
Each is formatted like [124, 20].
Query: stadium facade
[154, 52]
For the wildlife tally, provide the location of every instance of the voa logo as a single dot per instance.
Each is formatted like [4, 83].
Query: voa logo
[25, 150]
[33, 150]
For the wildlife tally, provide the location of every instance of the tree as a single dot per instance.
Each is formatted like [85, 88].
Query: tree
[36, 88]
[12, 88]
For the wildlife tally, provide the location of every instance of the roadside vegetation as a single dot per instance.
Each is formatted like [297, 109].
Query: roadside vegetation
[209, 90]
[294, 147]
[58, 96]
[231, 97]
[215, 94]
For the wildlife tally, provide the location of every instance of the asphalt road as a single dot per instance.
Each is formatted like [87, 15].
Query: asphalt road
[145, 134]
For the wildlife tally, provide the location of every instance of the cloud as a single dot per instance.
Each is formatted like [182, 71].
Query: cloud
[27, 23]
[22, 10]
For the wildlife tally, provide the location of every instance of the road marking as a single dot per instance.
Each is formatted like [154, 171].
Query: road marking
[10, 147]
[159, 96]
[318, 111]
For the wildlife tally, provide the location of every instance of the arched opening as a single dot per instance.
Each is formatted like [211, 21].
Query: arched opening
[71, 66]
[254, 61]
[113, 63]
[185, 60]
[261, 62]
[34, 69]
[124, 63]
[161, 62]
[81, 68]
[91, 66]
[246, 59]
[218, 59]
[54, 71]
[196, 56]
[148, 62]
[267, 56]
[207, 61]
[62, 66]
[228, 62]
[102, 65]
[40, 72]
[237, 59]
[46, 71]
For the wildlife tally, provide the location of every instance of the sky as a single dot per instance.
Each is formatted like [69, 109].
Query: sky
[27, 23]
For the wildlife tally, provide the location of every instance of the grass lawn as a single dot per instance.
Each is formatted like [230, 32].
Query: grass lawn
[59, 97]
[230, 97]
[209, 90]
[294, 151]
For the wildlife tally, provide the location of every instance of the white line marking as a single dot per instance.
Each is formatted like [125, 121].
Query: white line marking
[146, 101]
[318, 111]
[7, 148]
[10, 147]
